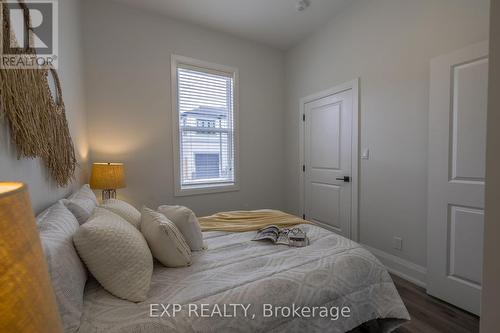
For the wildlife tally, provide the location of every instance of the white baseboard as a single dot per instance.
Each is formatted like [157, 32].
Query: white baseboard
[405, 269]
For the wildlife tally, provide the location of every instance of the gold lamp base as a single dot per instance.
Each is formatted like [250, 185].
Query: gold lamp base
[108, 194]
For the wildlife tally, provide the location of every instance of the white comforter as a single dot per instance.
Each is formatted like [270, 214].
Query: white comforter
[252, 279]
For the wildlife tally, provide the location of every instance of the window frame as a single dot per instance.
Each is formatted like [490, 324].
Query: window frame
[179, 190]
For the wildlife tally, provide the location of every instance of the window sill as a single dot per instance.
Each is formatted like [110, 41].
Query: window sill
[206, 189]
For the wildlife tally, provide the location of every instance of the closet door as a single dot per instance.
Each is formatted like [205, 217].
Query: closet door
[328, 125]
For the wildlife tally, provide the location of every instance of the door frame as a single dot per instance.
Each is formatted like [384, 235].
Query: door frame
[354, 86]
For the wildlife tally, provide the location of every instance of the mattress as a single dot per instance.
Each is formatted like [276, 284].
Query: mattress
[332, 285]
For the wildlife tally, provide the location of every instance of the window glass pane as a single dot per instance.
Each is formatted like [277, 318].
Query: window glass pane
[207, 166]
[205, 102]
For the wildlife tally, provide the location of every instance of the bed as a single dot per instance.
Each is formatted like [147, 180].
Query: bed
[332, 272]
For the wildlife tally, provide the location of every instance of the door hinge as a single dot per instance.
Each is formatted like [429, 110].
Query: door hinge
[303, 168]
[303, 117]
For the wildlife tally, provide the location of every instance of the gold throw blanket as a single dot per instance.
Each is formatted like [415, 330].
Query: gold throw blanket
[239, 221]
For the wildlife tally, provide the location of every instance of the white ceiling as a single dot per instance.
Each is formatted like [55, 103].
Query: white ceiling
[273, 22]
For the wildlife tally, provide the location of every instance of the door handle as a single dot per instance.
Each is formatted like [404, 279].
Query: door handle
[346, 179]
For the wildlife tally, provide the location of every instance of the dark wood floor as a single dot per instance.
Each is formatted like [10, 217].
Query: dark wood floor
[430, 315]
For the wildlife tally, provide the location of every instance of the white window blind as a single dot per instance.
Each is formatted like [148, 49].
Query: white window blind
[206, 127]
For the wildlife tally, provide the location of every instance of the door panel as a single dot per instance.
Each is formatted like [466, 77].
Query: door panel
[466, 239]
[325, 204]
[457, 141]
[325, 138]
[470, 91]
[327, 152]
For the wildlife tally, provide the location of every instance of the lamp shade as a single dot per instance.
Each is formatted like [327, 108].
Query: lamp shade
[27, 301]
[107, 176]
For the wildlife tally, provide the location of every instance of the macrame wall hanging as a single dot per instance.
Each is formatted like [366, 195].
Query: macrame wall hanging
[36, 115]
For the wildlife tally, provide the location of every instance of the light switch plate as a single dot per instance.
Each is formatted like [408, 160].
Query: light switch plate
[365, 155]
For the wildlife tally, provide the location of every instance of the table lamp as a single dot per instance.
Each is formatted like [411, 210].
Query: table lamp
[27, 300]
[107, 177]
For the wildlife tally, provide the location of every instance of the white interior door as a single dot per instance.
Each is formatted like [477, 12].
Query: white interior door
[327, 161]
[457, 142]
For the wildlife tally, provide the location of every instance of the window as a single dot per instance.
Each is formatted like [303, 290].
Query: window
[205, 110]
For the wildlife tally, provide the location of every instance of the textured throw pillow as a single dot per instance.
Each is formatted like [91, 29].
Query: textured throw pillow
[185, 219]
[125, 210]
[82, 203]
[103, 212]
[116, 254]
[57, 225]
[165, 240]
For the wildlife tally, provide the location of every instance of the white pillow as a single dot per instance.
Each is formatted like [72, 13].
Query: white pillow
[185, 219]
[124, 209]
[165, 240]
[82, 203]
[116, 254]
[68, 274]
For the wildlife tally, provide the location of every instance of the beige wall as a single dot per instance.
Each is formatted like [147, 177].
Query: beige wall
[491, 274]
[43, 191]
[389, 45]
[129, 103]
